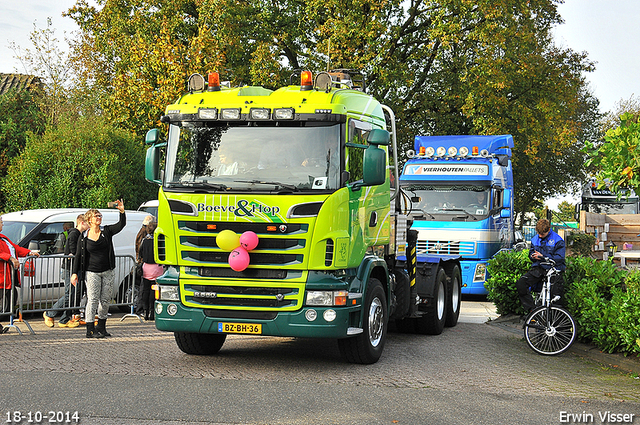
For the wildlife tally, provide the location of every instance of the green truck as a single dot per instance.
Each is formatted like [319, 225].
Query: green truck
[304, 174]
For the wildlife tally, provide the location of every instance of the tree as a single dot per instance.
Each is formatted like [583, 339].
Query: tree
[566, 212]
[445, 67]
[83, 163]
[46, 60]
[21, 116]
[611, 119]
[617, 160]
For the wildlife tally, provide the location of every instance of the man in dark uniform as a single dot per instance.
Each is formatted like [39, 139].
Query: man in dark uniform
[546, 243]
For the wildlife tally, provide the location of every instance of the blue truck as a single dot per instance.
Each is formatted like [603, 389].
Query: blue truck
[460, 198]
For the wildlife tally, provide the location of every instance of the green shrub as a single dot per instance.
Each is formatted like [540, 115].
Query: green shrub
[593, 293]
[504, 270]
[82, 163]
[604, 300]
[581, 244]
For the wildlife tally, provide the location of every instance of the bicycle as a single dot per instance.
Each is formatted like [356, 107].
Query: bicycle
[548, 329]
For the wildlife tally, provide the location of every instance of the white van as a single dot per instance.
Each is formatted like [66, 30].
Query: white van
[150, 207]
[40, 229]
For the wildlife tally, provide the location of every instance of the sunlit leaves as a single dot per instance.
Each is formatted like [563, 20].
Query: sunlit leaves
[618, 158]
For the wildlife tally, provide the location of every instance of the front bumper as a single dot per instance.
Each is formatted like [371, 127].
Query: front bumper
[286, 324]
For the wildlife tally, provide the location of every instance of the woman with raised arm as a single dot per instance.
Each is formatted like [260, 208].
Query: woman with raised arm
[96, 258]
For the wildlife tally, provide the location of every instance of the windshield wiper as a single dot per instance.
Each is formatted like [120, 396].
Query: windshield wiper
[422, 213]
[276, 184]
[205, 185]
[467, 215]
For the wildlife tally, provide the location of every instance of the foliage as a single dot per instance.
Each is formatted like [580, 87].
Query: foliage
[46, 60]
[80, 163]
[618, 158]
[581, 244]
[604, 300]
[566, 212]
[20, 117]
[504, 270]
[445, 67]
[605, 311]
[611, 119]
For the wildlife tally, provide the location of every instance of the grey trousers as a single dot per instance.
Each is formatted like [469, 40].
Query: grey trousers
[99, 294]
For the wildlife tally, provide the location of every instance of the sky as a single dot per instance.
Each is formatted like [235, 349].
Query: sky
[608, 30]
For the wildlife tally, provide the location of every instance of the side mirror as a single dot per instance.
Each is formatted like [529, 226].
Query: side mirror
[505, 213]
[152, 165]
[506, 199]
[152, 136]
[378, 137]
[374, 167]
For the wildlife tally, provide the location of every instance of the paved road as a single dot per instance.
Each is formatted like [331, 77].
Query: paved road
[471, 374]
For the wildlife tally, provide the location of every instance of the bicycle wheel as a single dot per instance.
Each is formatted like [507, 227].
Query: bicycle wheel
[549, 331]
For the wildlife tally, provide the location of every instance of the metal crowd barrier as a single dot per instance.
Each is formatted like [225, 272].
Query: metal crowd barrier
[10, 296]
[43, 287]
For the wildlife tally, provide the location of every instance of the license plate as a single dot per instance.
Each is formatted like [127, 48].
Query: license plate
[240, 328]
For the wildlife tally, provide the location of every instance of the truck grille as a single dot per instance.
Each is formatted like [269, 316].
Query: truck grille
[274, 280]
[446, 247]
[242, 296]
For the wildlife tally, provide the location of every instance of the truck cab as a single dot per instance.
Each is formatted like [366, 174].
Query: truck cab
[460, 198]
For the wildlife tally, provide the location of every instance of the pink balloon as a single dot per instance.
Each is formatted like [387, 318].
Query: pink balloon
[239, 259]
[249, 240]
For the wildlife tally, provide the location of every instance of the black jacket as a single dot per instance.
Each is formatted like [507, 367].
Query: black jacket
[80, 263]
[71, 246]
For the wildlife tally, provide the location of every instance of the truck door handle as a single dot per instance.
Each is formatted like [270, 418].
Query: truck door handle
[373, 220]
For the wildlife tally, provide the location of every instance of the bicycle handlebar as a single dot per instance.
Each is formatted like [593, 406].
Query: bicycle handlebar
[549, 261]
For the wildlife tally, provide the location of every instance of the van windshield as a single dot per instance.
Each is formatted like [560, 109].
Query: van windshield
[17, 230]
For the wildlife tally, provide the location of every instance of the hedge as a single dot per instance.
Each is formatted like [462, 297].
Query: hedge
[603, 299]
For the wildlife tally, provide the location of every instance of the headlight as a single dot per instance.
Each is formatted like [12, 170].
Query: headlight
[167, 293]
[327, 298]
[481, 272]
[319, 298]
[230, 114]
[330, 315]
[284, 114]
[260, 114]
[207, 113]
[311, 315]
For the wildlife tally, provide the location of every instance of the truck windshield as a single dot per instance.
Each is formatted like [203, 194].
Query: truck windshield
[17, 230]
[630, 207]
[256, 158]
[448, 202]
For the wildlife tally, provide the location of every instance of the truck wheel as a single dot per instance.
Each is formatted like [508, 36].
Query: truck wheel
[366, 348]
[199, 344]
[432, 322]
[454, 298]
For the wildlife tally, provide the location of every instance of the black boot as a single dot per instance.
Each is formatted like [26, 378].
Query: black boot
[92, 332]
[101, 328]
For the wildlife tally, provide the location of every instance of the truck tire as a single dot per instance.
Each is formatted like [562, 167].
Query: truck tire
[432, 322]
[366, 348]
[454, 297]
[199, 344]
